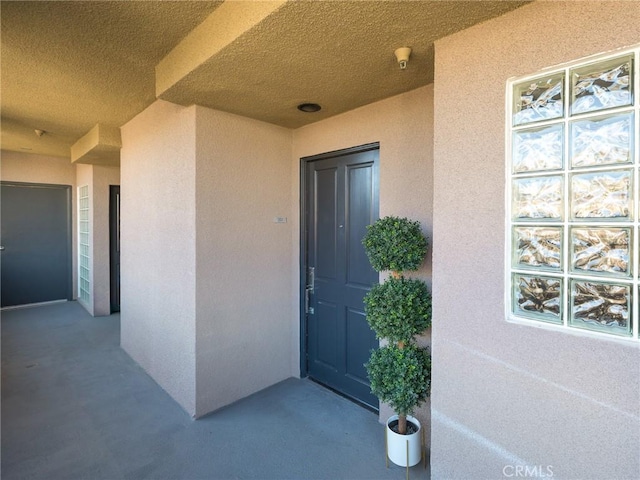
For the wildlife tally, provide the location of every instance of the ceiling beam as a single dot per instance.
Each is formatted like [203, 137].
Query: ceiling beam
[100, 146]
[219, 30]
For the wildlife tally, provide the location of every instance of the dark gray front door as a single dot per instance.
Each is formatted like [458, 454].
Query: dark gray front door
[36, 243]
[341, 199]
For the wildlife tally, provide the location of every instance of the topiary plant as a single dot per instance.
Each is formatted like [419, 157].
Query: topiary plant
[398, 310]
[395, 244]
[400, 377]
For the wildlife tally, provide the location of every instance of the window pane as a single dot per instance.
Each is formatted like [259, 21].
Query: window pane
[538, 297]
[538, 198]
[601, 250]
[604, 307]
[601, 195]
[538, 247]
[602, 140]
[602, 85]
[538, 149]
[539, 99]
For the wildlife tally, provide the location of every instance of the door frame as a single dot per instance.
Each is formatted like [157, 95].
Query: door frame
[69, 215]
[115, 201]
[304, 168]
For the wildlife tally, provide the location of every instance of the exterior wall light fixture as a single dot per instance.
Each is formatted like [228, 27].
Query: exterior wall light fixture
[403, 54]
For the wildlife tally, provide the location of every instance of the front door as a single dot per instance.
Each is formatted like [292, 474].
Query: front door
[36, 243]
[341, 199]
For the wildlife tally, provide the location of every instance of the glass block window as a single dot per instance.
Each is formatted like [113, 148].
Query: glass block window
[84, 293]
[573, 187]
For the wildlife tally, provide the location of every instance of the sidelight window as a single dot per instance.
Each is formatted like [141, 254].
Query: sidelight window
[84, 294]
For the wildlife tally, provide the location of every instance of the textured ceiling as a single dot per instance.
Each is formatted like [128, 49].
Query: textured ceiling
[68, 66]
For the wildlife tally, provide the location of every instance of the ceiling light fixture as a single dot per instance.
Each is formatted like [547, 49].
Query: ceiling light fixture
[39, 132]
[309, 107]
[403, 54]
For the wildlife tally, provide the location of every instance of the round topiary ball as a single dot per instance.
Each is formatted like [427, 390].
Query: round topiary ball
[400, 377]
[395, 244]
[398, 309]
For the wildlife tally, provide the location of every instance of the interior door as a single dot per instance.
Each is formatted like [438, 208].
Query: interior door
[36, 243]
[341, 192]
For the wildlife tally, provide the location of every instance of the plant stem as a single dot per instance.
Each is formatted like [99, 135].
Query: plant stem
[402, 424]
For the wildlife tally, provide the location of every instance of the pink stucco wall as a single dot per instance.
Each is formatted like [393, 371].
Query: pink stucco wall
[404, 127]
[243, 285]
[506, 394]
[158, 246]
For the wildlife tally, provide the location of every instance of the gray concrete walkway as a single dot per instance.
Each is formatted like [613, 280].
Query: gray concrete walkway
[75, 406]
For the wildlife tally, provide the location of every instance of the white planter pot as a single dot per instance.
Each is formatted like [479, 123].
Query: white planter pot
[397, 444]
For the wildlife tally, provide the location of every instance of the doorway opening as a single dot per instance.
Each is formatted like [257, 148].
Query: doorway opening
[114, 246]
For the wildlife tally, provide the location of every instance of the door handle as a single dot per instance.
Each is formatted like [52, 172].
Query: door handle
[1, 247]
[311, 278]
[307, 305]
[309, 289]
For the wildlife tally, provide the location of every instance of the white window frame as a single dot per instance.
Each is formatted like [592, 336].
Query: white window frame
[565, 273]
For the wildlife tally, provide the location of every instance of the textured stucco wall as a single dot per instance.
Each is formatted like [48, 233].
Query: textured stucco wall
[404, 126]
[235, 289]
[30, 168]
[505, 394]
[158, 256]
[243, 282]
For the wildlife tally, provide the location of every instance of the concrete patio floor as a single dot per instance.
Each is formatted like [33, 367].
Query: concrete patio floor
[75, 406]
